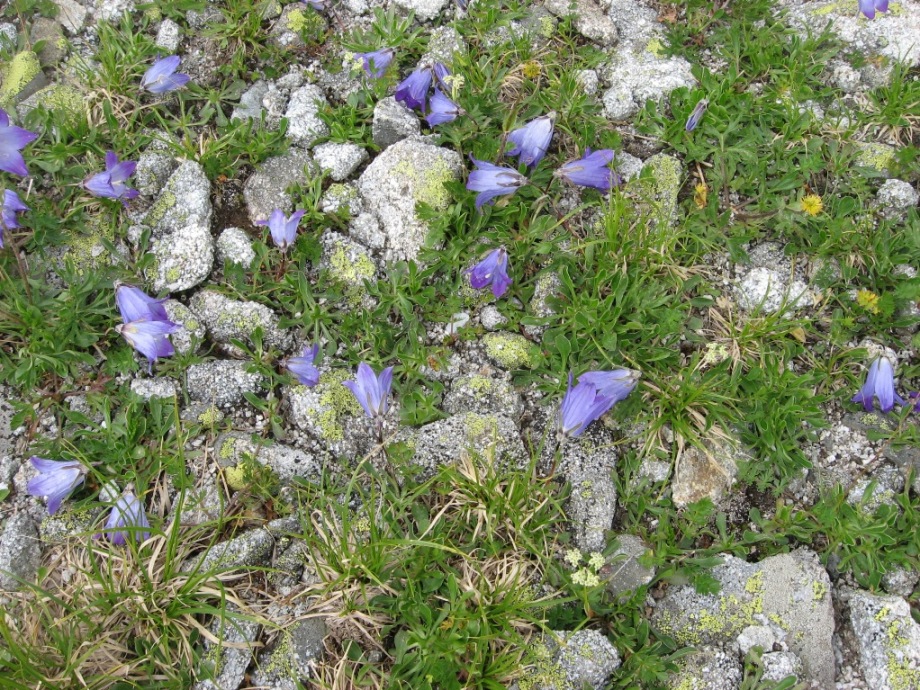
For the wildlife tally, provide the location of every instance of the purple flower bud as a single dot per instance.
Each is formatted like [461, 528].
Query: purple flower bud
[111, 183]
[162, 76]
[532, 140]
[442, 109]
[56, 480]
[870, 7]
[492, 181]
[134, 304]
[127, 519]
[413, 90]
[580, 406]
[879, 384]
[591, 170]
[696, 115]
[492, 270]
[375, 62]
[304, 367]
[9, 207]
[283, 229]
[372, 391]
[148, 337]
[614, 385]
[12, 141]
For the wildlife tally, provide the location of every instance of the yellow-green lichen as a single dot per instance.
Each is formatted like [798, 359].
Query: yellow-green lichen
[901, 676]
[309, 24]
[818, 590]
[511, 350]
[545, 672]
[21, 70]
[335, 402]
[236, 476]
[191, 324]
[173, 274]
[876, 156]
[838, 6]
[428, 188]
[480, 427]
[227, 449]
[281, 661]
[655, 47]
[480, 386]
[65, 101]
[240, 322]
[210, 416]
[87, 249]
[160, 208]
[547, 26]
[352, 270]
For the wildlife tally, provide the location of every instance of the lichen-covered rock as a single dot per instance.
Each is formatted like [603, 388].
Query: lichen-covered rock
[345, 200]
[153, 171]
[191, 330]
[51, 35]
[20, 78]
[228, 319]
[158, 387]
[223, 665]
[887, 640]
[708, 668]
[491, 318]
[547, 287]
[288, 463]
[326, 411]
[348, 263]
[510, 350]
[111, 10]
[292, 660]
[184, 258]
[424, 9]
[876, 156]
[65, 101]
[483, 394]
[769, 284]
[339, 161]
[639, 76]
[705, 473]
[265, 190]
[444, 42]
[590, 20]
[20, 552]
[624, 571]
[591, 506]
[235, 247]
[72, 15]
[780, 665]
[393, 122]
[250, 105]
[296, 23]
[304, 124]
[572, 661]
[895, 198]
[253, 548]
[168, 35]
[221, 382]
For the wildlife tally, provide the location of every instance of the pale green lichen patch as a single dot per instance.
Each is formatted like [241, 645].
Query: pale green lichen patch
[876, 156]
[65, 101]
[20, 71]
[428, 188]
[510, 350]
[87, 250]
[160, 208]
[546, 672]
[350, 268]
[335, 403]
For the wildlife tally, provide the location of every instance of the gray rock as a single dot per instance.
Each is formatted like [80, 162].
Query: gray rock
[900, 581]
[252, 549]
[762, 636]
[184, 258]
[637, 24]
[636, 77]
[250, 105]
[287, 462]
[483, 394]
[365, 228]
[265, 190]
[153, 171]
[201, 504]
[295, 23]
[234, 447]
[425, 10]
[191, 330]
[221, 382]
[575, 660]
[887, 640]
[881, 488]
[628, 166]
[509, 350]
[235, 247]
[895, 197]
[328, 412]
[589, 19]
[304, 124]
[226, 665]
[168, 36]
[158, 387]
[339, 161]
[707, 473]
[111, 10]
[767, 286]
[348, 263]
[202, 413]
[55, 45]
[547, 287]
[443, 43]
[791, 590]
[588, 81]
[8, 36]
[393, 122]
[227, 319]
[591, 506]
[492, 438]
[624, 572]
[20, 552]
[491, 318]
[708, 668]
[345, 200]
[71, 15]
[293, 659]
[780, 665]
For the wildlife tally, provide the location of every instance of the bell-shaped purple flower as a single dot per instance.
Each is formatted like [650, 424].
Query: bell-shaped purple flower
[870, 7]
[442, 109]
[696, 115]
[492, 270]
[12, 141]
[136, 305]
[532, 140]
[879, 384]
[56, 480]
[148, 336]
[317, 5]
[372, 391]
[412, 92]
[9, 207]
[492, 181]
[111, 183]
[304, 367]
[591, 170]
[614, 385]
[282, 228]
[127, 519]
[375, 62]
[162, 76]
[581, 405]
[441, 73]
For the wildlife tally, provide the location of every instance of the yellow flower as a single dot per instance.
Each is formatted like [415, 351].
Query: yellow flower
[812, 204]
[868, 300]
[700, 195]
[531, 69]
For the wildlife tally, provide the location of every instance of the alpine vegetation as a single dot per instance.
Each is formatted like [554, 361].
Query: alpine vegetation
[491, 271]
[879, 385]
[110, 184]
[127, 520]
[162, 76]
[57, 479]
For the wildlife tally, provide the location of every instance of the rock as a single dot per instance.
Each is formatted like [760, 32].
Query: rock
[225, 666]
[158, 387]
[591, 506]
[168, 36]
[235, 247]
[393, 122]
[707, 473]
[72, 16]
[8, 36]
[328, 411]
[405, 174]
[304, 124]
[780, 665]
[708, 668]
[590, 20]
[878, 157]
[588, 81]
[887, 640]
[265, 190]
[443, 43]
[55, 46]
[895, 198]
[184, 258]
[624, 573]
[297, 23]
[221, 382]
[287, 463]
[424, 10]
[767, 286]
[886, 484]
[20, 78]
[344, 200]
[227, 319]
[252, 549]
[339, 161]
[65, 101]
[762, 636]
[201, 504]
[483, 395]
[900, 581]
[547, 287]
[636, 77]
[510, 350]
[293, 659]
[153, 171]
[111, 10]
[191, 331]
[20, 552]
[790, 590]
[491, 318]
[250, 105]
[574, 661]
[348, 263]
[365, 228]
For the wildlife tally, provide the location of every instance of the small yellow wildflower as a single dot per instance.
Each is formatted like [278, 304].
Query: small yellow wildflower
[531, 69]
[700, 195]
[812, 204]
[868, 300]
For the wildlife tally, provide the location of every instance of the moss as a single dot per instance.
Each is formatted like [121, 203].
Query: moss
[21, 70]
[428, 189]
[510, 350]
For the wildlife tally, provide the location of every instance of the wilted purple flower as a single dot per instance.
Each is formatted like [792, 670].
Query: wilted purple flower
[148, 336]
[879, 384]
[696, 115]
[591, 170]
[493, 270]
[372, 391]
[442, 109]
[914, 400]
[413, 90]
[9, 207]
[614, 385]
[303, 367]
[375, 62]
[56, 480]
[134, 304]
[283, 229]
[492, 181]
[581, 405]
[162, 77]
[12, 141]
[111, 183]
[532, 140]
[870, 7]
[126, 519]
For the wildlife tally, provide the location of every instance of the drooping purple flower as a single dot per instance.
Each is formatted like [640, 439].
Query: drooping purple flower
[162, 76]
[581, 405]
[532, 140]
[304, 367]
[56, 480]
[870, 7]
[9, 207]
[591, 170]
[413, 90]
[915, 401]
[111, 183]
[442, 109]
[441, 73]
[696, 115]
[372, 391]
[375, 62]
[127, 519]
[879, 384]
[12, 141]
[492, 181]
[282, 228]
[614, 385]
[148, 336]
[135, 305]
[492, 270]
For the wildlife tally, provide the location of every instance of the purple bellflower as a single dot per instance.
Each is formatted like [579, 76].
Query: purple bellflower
[412, 92]
[532, 140]
[591, 170]
[149, 338]
[614, 385]
[12, 141]
[879, 384]
[304, 367]
[317, 5]
[696, 115]
[441, 74]
[135, 305]
[56, 480]
[915, 401]
[111, 183]
[581, 405]
[9, 207]
[162, 76]
[493, 270]
[870, 7]
[375, 62]
[372, 391]
[127, 519]
[442, 109]
[492, 181]
[283, 229]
